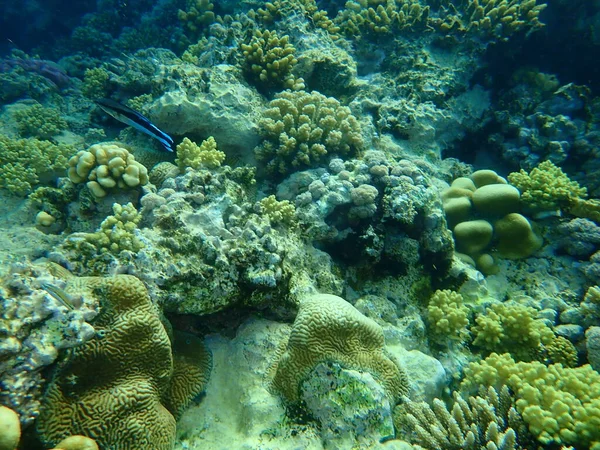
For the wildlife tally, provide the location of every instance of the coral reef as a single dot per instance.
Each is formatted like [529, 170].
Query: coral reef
[39, 122]
[189, 154]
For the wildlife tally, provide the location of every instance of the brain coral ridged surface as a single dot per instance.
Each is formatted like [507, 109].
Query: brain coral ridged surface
[328, 328]
[110, 389]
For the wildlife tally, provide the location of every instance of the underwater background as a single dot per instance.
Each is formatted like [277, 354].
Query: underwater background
[304, 224]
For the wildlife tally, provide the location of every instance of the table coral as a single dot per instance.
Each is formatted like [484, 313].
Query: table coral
[111, 389]
[105, 167]
[303, 129]
[560, 405]
[327, 328]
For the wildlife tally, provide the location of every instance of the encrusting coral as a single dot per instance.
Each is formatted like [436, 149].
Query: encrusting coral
[105, 167]
[303, 129]
[328, 328]
[112, 389]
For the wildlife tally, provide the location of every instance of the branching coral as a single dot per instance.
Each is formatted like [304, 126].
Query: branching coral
[105, 167]
[546, 188]
[380, 17]
[197, 16]
[279, 212]
[268, 61]
[486, 421]
[448, 317]
[507, 327]
[190, 154]
[24, 161]
[39, 121]
[303, 129]
[560, 405]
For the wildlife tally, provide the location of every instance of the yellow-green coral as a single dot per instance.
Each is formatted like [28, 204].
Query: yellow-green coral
[116, 233]
[112, 388]
[190, 154]
[328, 328]
[95, 82]
[105, 167]
[303, 129]
[378, 17]
[546, 188]
[198, 15]
[278, 212]
[448, 317]
[495, 19]
[39, 121]
[268, 61]
[23, 161]
[508, 327]
[560, 405]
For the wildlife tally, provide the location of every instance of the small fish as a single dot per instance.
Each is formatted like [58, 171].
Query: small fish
[58, 293]
[134, 119]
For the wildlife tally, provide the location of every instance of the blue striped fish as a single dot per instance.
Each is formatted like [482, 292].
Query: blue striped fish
[134, 119]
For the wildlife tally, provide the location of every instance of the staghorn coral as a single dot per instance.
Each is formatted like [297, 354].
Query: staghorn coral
[105, 167]
[268, 61]
[448, 316]
[111, 388]
[303, 129]
[39, 122]
[327, 328]
[23, 162]
[546, 188]
[485, 421]
[190, 154]
[559, 405]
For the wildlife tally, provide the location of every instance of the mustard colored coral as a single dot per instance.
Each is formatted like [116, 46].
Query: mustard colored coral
[328, 328]
[10, 429]
[190, 154]
[546, 188]
[559, 405]
[106, 167]
[278, 212]
[302, 129]
[447, 315]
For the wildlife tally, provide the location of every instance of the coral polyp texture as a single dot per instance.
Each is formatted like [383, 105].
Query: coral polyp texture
[106, 168]
[114, 389]
[303, 129]
[327, 328]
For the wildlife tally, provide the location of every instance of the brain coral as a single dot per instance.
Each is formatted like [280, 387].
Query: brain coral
[106, 166]
[302, 129]
[111, 389]
[328, 328]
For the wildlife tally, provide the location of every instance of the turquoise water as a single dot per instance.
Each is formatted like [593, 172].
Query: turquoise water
[299, 225]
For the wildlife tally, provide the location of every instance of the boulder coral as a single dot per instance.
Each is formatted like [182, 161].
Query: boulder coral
[112, 389]
[328, 328]
[105, 167]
